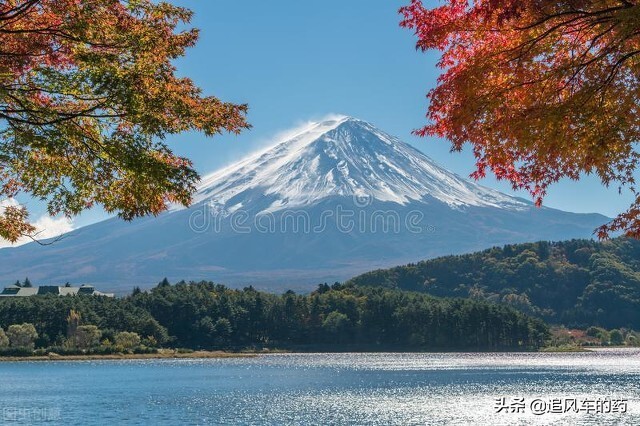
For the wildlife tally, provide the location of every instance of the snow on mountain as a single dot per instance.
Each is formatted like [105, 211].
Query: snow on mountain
[343, 157]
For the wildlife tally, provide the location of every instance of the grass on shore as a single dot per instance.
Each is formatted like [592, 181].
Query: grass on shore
[565, 348]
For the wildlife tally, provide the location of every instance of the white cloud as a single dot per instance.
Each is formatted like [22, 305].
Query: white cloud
[8, 202]
[300, 127]
[46, 226]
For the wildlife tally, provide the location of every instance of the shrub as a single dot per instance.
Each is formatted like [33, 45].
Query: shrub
[87, 336]
[4, 340]
[127, 340]
[22, 335]
[145, 350]
[17, 351]
[616, 337]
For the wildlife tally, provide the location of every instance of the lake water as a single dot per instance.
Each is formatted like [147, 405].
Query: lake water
[596, 388]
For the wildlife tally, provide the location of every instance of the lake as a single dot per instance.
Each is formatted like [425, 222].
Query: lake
[598, 388]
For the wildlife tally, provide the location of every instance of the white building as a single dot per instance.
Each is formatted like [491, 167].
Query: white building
[15, 291]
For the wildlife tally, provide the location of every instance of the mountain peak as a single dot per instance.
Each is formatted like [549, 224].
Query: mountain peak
[342, 157]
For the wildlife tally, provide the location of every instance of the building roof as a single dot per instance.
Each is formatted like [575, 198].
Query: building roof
[15, 291]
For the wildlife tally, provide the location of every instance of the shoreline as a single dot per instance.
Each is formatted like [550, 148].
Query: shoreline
[173, 354]
[120, 357]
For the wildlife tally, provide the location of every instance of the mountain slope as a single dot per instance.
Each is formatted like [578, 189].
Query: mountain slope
[578, 282]
[337, 199]
[345, 157]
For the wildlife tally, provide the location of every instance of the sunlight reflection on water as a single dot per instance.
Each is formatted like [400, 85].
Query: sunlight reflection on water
[378, 389]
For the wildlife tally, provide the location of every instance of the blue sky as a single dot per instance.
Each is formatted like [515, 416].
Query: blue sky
[295, 61]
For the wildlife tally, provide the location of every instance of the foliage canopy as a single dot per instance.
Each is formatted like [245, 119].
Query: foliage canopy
[541, 90]
[88, 93]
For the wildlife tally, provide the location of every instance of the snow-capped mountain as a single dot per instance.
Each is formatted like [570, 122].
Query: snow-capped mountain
[338, 198]
[344, 157]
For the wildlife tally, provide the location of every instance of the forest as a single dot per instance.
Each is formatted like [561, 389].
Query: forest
[210, 316]
[578, 283]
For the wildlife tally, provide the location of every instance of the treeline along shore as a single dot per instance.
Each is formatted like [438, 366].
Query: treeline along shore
[212, 317]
